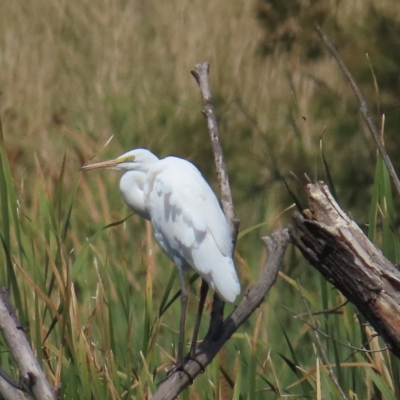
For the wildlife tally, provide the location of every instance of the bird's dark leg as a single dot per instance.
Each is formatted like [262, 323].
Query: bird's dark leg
[184, 303]
[203, 296]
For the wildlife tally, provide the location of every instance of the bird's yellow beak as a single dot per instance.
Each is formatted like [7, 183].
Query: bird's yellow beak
[110, 164]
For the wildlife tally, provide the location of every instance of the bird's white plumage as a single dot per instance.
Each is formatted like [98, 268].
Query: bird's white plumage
[190, 225]
[187, 219]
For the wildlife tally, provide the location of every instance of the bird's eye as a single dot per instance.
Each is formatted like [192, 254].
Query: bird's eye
[127, 159]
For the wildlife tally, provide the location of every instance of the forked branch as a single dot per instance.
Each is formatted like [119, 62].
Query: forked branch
[276, 246]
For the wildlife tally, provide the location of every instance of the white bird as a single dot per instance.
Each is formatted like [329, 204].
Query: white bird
[186, 217]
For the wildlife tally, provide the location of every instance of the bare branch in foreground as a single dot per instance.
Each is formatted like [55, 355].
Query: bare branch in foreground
[33, 378]
[363, 108]
[9, 390]
[338, 248]
[276, 246]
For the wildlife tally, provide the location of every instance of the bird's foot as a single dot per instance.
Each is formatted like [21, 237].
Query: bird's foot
[180, 367]
[193, 358]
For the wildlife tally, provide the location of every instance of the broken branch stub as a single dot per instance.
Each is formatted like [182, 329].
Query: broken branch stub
[337, 247]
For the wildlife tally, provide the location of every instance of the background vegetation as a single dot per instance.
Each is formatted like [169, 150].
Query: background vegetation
[83, 79]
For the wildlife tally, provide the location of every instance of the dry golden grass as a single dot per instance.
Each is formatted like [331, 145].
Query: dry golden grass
[62, 61]
[64, 65]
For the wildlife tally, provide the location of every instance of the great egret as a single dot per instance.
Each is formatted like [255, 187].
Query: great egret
[186, 217]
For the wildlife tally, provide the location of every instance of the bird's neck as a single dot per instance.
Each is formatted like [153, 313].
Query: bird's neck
[131, 186]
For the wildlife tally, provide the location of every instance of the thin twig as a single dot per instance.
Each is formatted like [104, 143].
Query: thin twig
[354, 348]
[363, 108]
[328, 311]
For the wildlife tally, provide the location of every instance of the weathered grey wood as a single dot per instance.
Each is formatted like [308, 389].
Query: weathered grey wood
[338, 248]
[200, 73]
[33, 378]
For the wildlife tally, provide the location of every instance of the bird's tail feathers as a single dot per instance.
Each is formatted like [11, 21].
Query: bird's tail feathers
[221, 275]
[225, 280]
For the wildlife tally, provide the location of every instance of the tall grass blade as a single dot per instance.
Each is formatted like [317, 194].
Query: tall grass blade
[163, 304]
[327, 171]
[192, 279]
[9, 220]
[238, 381]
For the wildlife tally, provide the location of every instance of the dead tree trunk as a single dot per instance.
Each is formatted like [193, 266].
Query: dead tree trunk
[337, 248]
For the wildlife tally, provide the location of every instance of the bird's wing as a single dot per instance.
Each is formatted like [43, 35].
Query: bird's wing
[184, 208]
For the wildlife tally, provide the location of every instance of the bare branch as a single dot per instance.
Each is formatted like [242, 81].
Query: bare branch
[33, 378]
[363, 108]
[9, 390]
[276, 246]
[200, 73]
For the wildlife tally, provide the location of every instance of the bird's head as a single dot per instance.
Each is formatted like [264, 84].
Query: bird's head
[134, 160]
